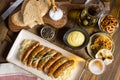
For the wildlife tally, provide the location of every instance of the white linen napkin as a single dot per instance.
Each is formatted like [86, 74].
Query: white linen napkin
[9, 71]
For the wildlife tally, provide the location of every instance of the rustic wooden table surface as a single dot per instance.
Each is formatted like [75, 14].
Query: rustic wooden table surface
[112, 72]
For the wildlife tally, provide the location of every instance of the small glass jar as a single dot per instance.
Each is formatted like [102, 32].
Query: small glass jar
[47, 32]
[92, 11]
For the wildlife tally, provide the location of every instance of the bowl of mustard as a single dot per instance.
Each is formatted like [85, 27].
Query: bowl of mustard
[76, 38]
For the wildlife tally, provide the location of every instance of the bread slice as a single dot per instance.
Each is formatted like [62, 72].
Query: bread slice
[17, 19]
[43, 6]
[15, 22]
[31, 14]
[15, 28]
[23, 5]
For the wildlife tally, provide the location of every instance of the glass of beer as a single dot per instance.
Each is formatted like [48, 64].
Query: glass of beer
[96, 66]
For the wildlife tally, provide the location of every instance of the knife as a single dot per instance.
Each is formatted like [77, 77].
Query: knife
[10, 10]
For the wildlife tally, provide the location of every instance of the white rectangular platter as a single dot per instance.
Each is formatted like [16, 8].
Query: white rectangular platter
[13, 56]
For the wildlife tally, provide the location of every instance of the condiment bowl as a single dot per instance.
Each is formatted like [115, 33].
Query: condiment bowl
[91, 51]
[76, 30]
[108, 23]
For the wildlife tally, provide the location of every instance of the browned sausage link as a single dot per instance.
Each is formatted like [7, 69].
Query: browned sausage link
[39, 56]
[52, 61]
[54, 66]
[45, 59]
[62, 68]
[28, 51]
[33, 54]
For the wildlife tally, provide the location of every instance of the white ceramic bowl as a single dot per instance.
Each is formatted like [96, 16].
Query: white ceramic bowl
[93, 37]
[56, 15]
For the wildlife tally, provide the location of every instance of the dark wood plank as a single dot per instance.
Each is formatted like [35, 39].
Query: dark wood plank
[3, 33]
[112, 71]
[4, 4]
[5, 41]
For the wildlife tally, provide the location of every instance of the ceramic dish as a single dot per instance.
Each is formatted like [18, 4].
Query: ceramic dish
[13, 56]
[92, 39]
[85, 34]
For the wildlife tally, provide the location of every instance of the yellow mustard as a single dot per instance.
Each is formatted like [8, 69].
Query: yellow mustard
[75, 38]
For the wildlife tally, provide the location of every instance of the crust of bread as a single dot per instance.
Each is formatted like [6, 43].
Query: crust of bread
[23, 5]
[31, 14]
[13, 27]
[17, 19]
[43, 6]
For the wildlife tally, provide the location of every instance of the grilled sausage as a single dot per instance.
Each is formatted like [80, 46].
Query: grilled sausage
[33, 54]
[28, 51]
[62, 68]
[45, 58]
[54, 66]
[39, 56]
[52, 61]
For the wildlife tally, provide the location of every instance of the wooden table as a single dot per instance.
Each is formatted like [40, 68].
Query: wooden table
[112, 71]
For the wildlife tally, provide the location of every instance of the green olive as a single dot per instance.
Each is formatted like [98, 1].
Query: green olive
[83, 14]
[94, 20]
[85, 22]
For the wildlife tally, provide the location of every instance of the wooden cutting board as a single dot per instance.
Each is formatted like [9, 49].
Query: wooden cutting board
[65, 6]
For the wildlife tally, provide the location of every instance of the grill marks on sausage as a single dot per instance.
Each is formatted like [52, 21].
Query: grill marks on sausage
[28, 51]
[62, 68]
[51, 61]
[33, 54]
[39, 56]
[45, 59]
[55, 65]
[48, 60]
